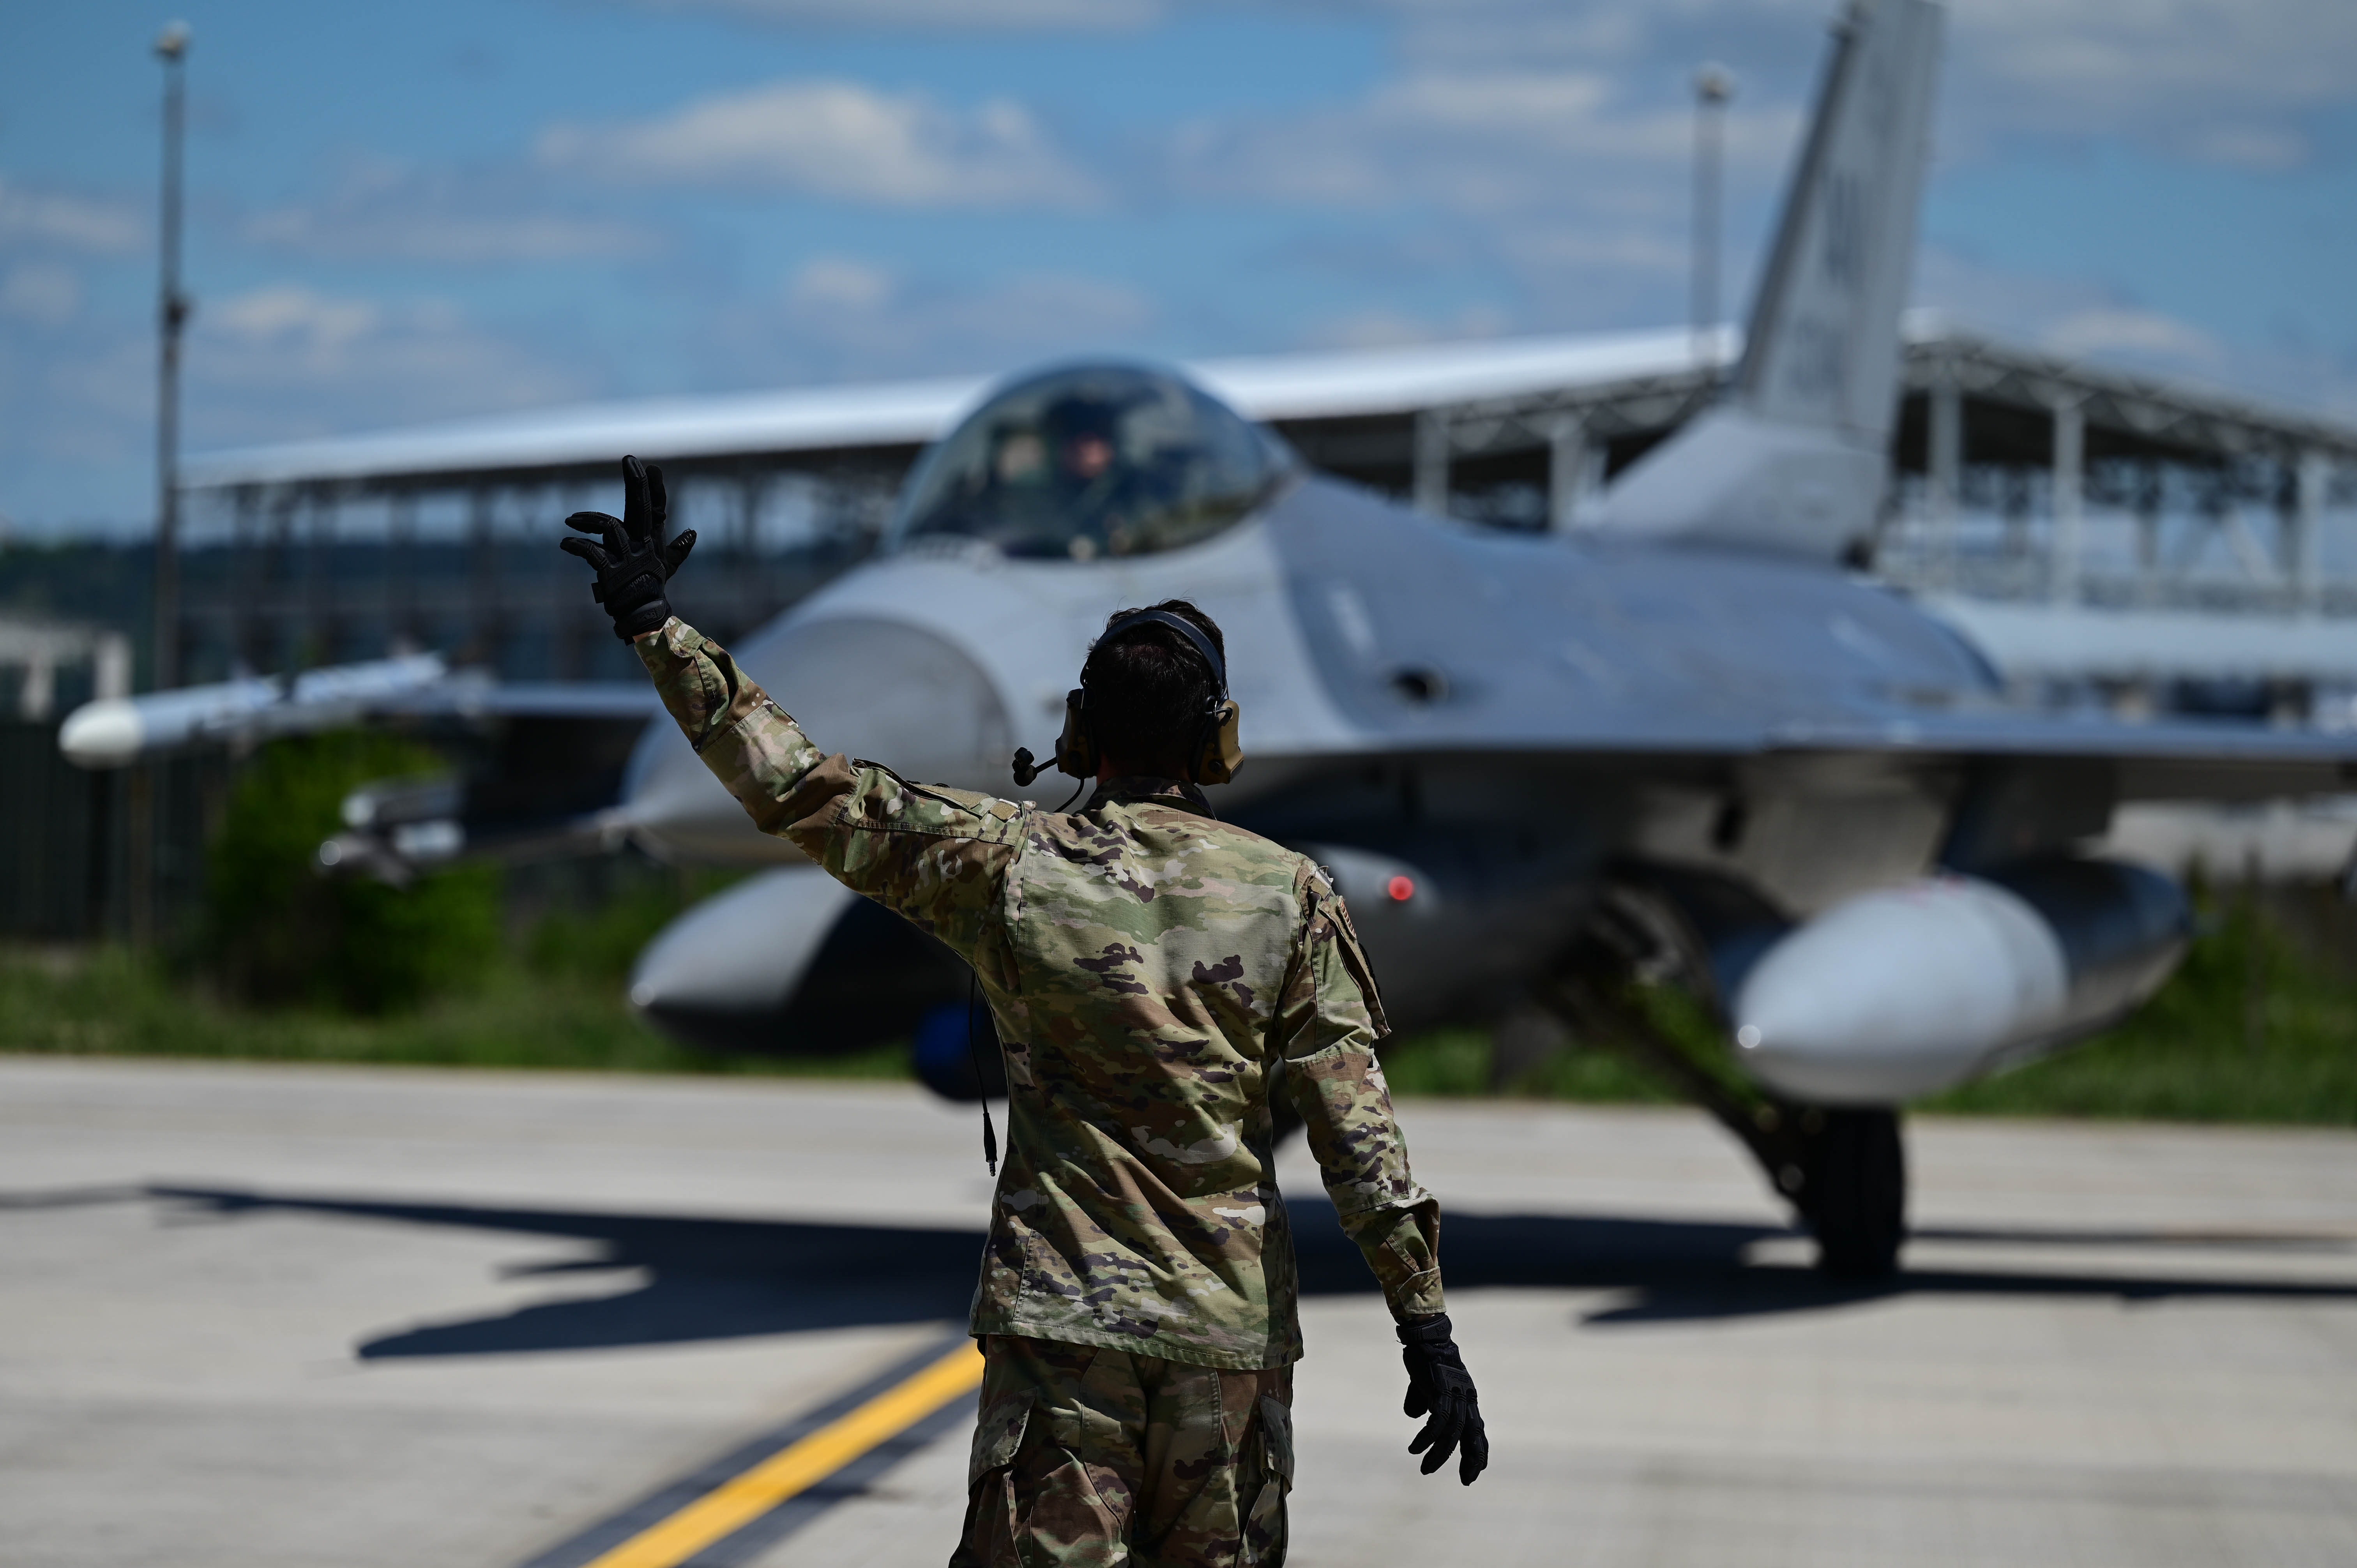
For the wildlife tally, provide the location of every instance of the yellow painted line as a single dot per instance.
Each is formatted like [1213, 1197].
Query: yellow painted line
[795, 1469]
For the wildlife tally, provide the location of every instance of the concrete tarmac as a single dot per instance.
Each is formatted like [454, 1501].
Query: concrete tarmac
[307, 1317]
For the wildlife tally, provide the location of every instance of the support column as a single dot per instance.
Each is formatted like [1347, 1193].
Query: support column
[2070, 498]
[39, 691]
[2149, 496]
[279, 651]
[483, 578]
[246, 578]
[1432, 463]
[1566, 471]
[1944, 464]
[752, 603]
[401, 579]
[111, 672]
[2308, 532]
[318, 640]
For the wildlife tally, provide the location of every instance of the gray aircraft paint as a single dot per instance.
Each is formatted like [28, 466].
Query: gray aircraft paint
[1499, 719]
[1794, 458]
[1508, 722]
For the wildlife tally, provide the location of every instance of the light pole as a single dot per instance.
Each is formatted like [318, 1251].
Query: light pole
[171, 317]
[1712, 88]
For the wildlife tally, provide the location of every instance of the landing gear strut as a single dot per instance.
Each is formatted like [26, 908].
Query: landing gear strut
[1854, 1191]
[1843, 1169]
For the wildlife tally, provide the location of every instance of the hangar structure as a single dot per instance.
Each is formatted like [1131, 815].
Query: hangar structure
[2104, 535]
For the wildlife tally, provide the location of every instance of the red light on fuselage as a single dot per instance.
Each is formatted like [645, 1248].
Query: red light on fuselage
[1401, 888]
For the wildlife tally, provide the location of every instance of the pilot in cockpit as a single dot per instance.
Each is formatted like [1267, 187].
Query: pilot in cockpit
[1092, 462]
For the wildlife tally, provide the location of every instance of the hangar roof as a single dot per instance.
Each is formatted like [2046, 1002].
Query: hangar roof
[906, 413]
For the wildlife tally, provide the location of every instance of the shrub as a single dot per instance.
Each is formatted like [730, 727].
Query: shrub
[278, 932]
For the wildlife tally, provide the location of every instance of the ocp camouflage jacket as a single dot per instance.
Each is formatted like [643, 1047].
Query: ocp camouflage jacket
[1153, 973]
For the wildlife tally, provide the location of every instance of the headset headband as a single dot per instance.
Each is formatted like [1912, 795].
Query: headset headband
[1177, 623]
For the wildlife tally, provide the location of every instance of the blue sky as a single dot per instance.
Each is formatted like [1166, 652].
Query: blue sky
[400, 214]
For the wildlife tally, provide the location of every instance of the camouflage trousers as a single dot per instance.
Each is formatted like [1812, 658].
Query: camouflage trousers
[1089, 1458]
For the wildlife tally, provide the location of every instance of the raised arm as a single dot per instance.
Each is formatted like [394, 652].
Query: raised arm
[937, 856]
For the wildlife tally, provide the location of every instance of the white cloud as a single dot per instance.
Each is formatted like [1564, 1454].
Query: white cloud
[1385, 328]
[2080, 318]
[2256, 147]
[2143, 334]
[840, 139]
[993, 15]
[839, 282]
[1477, 140]
[43, 293]
[838, 317]
[2209, 80]
[388, 212]
[2165, 56]
[287, 360]
[83, 224]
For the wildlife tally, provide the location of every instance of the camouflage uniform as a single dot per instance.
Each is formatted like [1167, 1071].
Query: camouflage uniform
[1083, 1453]
[1151, 970]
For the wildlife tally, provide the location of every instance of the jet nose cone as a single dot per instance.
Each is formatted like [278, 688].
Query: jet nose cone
[1899, 992]
[104, 734]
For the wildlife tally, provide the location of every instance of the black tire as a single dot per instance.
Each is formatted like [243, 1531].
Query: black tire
[1857, 1193]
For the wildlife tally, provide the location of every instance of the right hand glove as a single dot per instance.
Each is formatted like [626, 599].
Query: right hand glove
[1438, 1385]
[634, 567]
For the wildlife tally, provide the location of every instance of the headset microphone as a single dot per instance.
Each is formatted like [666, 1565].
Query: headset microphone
[1218, 753]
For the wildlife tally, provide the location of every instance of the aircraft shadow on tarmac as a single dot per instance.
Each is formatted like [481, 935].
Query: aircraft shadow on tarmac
[718, 1279]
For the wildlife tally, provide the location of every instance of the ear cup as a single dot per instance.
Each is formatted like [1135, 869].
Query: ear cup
[1076, 749]
[1221, 753]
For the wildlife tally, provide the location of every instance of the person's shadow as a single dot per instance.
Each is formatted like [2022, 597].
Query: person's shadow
[718, 1279]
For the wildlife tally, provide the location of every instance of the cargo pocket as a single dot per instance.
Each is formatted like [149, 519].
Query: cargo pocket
[991, 1524]
[997, 1437]
[1264, 1525]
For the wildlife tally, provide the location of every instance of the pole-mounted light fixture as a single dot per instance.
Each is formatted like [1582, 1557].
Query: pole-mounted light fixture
[172, 307]
[1714, 85]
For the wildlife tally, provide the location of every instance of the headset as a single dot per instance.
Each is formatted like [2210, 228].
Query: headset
[1217, 753]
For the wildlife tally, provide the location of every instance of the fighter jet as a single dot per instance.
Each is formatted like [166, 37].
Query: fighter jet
[1684, 741]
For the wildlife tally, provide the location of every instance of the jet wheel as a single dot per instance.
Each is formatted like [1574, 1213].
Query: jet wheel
[1857, 1193]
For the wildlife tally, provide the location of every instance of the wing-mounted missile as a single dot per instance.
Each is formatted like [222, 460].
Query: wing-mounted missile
[1909, 991]
[114, 732]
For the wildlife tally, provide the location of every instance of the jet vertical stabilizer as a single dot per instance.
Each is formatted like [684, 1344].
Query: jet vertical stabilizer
[1793, 458]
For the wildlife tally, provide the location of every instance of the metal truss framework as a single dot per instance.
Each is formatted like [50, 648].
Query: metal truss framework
[2016, 474]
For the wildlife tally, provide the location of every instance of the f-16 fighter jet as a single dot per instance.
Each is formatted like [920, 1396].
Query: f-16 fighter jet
[1681, 741]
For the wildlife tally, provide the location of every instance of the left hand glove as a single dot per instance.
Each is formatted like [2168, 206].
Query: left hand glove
[634, 567]
[1438, 1384]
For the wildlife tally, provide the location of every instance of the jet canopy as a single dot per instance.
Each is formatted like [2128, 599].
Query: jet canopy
[1092, 461]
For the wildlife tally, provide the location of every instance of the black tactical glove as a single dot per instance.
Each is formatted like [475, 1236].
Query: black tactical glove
[633, 563]
[1438, 1385]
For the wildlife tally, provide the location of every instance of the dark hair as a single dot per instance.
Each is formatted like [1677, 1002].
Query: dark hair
[1147, 692]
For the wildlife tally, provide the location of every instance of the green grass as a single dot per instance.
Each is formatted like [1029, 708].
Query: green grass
[2259, 1024]
[113, 1003]
[2254, 1027]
